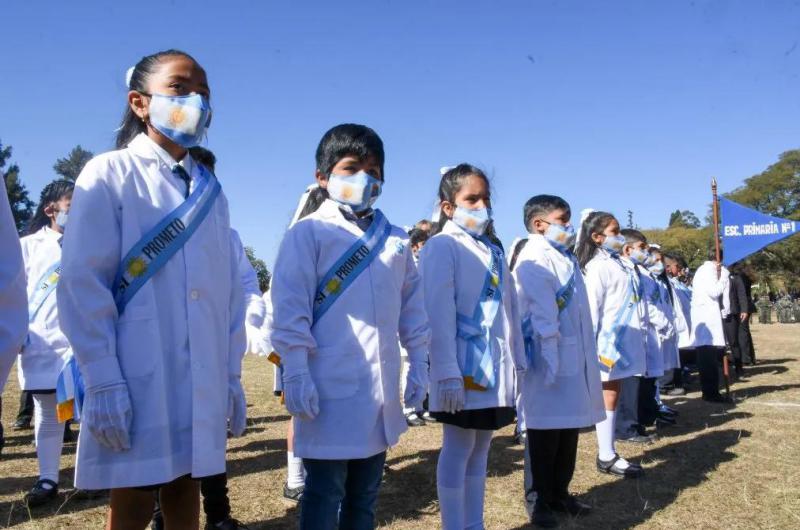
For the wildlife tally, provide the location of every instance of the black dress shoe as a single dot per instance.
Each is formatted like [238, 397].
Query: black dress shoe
[22, 424]
[414, 421]
[637, 439]
[571, 505]
[40, 494]
[227, 524]
[543, 516]
[292, 494]
[613, 467]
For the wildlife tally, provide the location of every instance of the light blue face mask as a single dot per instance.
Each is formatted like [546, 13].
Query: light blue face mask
[474, 221]
[614, 244]
[61, 219]
[639, 256]
[359, 191]
[561, 235]
[182, 119]
[656, 268]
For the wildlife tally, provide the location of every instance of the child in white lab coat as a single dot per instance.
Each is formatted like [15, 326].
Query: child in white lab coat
[46, 351]
[613, 289]
[476, 342]
[345, 287]
[151, 301]
[562, 391]
[675, 268]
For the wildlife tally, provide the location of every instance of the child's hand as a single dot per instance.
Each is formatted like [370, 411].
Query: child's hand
[416, 385]
[107, 414]
[302, 399]
[451, 394]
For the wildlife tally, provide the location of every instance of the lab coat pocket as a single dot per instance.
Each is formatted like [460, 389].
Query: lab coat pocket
[335, 372]
[568, 356]
[137, 346]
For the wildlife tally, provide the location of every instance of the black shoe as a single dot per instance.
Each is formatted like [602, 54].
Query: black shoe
[716, 398]
[22, 424]
[520, 437]
[40, 495]
[677, 391]
[157, 523]
[665, 421]
[571, 505]
[543, 516]
[227, 524]
[611, 467]
[414, 421]
[428, 418]
[637, 439]
[69, 436]
[292, 494]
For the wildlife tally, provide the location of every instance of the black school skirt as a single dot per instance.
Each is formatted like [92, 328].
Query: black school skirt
[489, 419]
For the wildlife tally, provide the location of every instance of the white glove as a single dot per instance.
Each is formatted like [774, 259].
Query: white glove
[107, 414]
[237, 406]
[551, 359]
[451, 394]
[416, 385]
[300, 394]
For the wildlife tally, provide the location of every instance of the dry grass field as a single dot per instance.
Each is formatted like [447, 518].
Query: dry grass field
[720, 467]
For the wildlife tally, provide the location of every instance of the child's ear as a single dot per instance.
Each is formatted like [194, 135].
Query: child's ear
[322, 179]
[597, 238]
[138, 104]
[50, 209]
[448, 208]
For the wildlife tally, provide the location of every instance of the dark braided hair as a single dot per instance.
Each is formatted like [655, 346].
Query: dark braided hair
[53, 192]
[586, 248]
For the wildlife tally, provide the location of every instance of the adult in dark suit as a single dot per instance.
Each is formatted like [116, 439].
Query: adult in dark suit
[737, 323]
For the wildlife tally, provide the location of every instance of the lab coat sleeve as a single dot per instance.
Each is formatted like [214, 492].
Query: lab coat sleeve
[13, 295]
[516, 342]
[595, 290]
[437, 267]
[249, 282]
[238, 338]
[294, 285]
[536, 283]
[655, 312]
[413, 329]
[90, 259]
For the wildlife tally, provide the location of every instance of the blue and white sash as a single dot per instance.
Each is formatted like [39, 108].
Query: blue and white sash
[564, 296]
[476, 330]
[44, 288]
[69, 391]
[352, 263]
[158, 245]
[610, 341]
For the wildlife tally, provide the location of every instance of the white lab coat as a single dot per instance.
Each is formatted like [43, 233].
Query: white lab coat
[682, 301]
[179, 339]
[453, 266]
[657, 326]
[47, 349]
[607, 281]
[669, 342]
[575, 399]
[706, 315]
[13, 300]
[352, 352]
[254, 303]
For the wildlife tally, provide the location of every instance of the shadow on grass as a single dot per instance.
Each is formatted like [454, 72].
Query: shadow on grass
[678, 466]
[755, 391]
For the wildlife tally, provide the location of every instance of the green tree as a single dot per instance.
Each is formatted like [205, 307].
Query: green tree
[72, 165]
[262, 272]
[691, 243]
[21, 204]
[683, 218]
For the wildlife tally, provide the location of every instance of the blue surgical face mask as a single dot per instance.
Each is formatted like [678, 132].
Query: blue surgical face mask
[656, 268]
[182, 119]
[614, 244]
[359, 191]
[61, 219]
[474, 221]
[639, 256]
[561, 235]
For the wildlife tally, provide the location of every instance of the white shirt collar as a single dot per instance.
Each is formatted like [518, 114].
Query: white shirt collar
[163, 155]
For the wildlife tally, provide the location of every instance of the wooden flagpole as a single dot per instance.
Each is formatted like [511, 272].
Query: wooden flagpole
[715, 207]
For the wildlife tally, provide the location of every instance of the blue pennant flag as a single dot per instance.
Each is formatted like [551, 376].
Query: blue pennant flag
[745, 231]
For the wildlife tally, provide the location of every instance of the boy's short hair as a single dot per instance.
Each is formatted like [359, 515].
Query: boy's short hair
[348, 139]
[418, 236]
[543, 205]
[633, 236]
[712, 252]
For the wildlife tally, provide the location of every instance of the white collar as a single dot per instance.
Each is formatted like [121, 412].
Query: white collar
[143, 146]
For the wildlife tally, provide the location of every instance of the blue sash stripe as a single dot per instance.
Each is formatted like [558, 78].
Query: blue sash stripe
[476, 330]
[69, 391]
[610, 351]
[138, 266]
[351, 264]
[44, 288]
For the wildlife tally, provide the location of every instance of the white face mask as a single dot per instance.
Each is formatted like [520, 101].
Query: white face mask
[656, 268]
[61, 219]
[614, 244]
[474, 221]
[358, 191]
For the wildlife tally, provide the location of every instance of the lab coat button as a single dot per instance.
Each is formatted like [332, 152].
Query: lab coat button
[194, 294]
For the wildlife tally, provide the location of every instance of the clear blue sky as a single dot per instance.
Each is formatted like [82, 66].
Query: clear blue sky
[624, 105]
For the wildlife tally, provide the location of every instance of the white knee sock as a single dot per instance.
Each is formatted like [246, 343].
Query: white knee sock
[49, 436]
[475, 481]
[451, 471]
[296, 476]
[605, 436]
